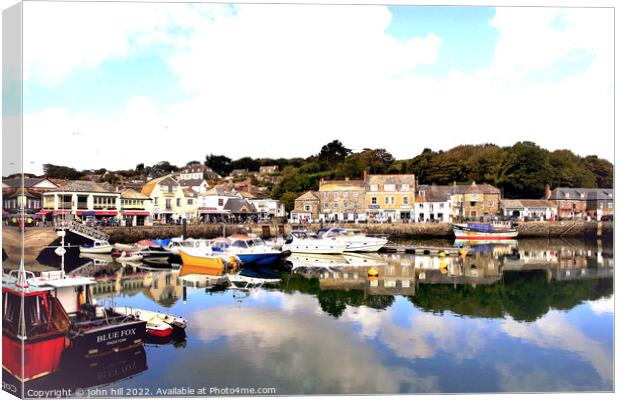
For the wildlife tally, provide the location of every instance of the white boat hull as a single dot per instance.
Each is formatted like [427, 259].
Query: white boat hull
[97, 250]
[310, 248]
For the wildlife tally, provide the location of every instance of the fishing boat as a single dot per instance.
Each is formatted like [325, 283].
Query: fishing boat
[251, 250]
[309, 243]
[157, 324]
[98, 247]
[59, 316]
[483, 232]
[354, 239]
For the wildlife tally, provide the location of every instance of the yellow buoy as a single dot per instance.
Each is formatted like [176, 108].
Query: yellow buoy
[373, 272]
[442, 254]
[463, 251]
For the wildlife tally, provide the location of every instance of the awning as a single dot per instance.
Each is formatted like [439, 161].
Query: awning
[213, 211]
[44, 212]
[4, 212]
[93, 213]
[59, 212]
[145, 213]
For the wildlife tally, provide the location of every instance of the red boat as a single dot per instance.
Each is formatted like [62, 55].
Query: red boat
[58, 316]
[40, 337]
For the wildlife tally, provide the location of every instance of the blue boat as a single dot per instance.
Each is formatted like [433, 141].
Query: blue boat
[250, 250]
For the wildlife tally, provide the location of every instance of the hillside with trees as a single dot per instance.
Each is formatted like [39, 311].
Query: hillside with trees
[520, 171]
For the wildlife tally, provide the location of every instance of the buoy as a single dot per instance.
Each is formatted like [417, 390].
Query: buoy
[442, 254]
[373, 272]
[463, 251]
[443, 270]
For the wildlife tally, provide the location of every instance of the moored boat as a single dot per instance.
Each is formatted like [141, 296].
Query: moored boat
[483, 232]
[98, 247]
[309, 243]
[354, 240]
[157, 324]
[251, 250]
[209, 260]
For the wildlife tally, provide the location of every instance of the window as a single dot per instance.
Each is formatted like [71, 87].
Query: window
[389, 187]
[566, 195]
[405, 187]
[220, 202]
[168, 203]
[421, 205]
[389, 200]
[490, 204]
[356, 195]
[421, 193]
[610, 205]
[306, 207]
[169, 188]
[405, 200]
[156, 201]
[441, 205]
[178, 202]
[190, 202]
[373, 200]
[345, 195]
[374, 188]
[335, 205]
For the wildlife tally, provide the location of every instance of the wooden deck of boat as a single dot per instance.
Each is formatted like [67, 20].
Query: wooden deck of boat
[419, 249]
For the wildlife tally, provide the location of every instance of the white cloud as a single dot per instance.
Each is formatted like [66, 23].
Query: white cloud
[270, 73]
[602, 306]
[554, 331]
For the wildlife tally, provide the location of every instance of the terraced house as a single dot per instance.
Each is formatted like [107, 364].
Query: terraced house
[342, 200]
[171, 203]
[474, 201]
[390, 197]
[83, 199]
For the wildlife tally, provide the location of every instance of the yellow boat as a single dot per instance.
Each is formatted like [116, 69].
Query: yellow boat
[210, 262]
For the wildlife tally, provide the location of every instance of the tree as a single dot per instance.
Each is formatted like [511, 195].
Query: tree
[219, 163]
[60, 172]
[525, 171]
[603, 171]
[377, 161]
[162, 168]
[246, 163]
[140, 168]
[333, 153]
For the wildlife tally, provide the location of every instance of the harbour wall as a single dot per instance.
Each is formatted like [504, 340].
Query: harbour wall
[586, 229]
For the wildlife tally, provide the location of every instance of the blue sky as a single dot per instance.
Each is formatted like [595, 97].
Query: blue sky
[436, 76]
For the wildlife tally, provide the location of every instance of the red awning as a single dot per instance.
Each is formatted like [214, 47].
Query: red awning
[57, 212]
[4, 212]
[145, 213]
[105, 213]
[44, 212]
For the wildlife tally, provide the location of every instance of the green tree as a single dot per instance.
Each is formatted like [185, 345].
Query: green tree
[219, 163]
[603, 170]
[333, 153]
[60, 172]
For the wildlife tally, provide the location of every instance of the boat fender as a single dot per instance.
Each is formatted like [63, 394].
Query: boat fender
[442, 254]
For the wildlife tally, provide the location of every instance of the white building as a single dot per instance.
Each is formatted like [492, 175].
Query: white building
[211, 203]
[268, 208]
[432, 204]
[529, 208]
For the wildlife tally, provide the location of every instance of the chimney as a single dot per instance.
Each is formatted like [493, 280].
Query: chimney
[547, 191]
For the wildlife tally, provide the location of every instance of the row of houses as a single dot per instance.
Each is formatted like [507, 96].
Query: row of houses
[162, 200]
[386, 198]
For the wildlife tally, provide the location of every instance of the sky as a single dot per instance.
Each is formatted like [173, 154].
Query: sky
[116, 84]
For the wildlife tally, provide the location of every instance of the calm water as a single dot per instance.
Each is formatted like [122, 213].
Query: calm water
[516, 317]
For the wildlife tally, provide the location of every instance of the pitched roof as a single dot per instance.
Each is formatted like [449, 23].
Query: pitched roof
[84, 186]
[28, 182]
[148, 187]
[395, 179]
[434, 193]
[188, 192]
[133, 194]
[351, 184]
[219, 190]
[526, 203]
[240, 206]
[308, 196]
[564, 193]
[190, 182]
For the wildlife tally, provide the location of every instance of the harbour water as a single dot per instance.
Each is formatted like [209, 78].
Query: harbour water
[533, 315]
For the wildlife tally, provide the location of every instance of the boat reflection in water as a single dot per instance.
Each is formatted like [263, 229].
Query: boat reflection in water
[394, 321]
[76, 376]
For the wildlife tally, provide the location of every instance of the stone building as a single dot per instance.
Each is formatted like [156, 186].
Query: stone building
[306, 208]
[342, 200]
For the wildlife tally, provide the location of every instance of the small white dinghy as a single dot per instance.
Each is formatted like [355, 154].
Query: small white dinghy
[157, 324]
[127, 247]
